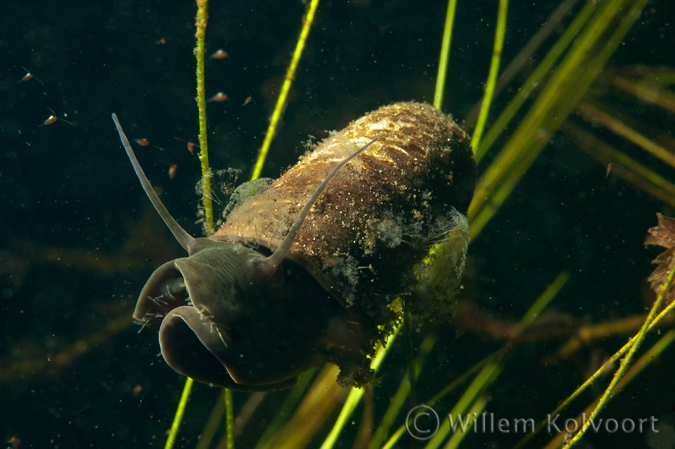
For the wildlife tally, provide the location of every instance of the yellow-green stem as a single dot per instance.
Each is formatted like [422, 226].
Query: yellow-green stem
[492, 76]
[356, 394]
[229, 418]
[202, 18]
[285, 88]
[625, 363]
[445, 54]
[180, 411]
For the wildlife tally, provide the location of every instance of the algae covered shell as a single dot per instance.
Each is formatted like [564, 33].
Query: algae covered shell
[366, 239]
[311, 267]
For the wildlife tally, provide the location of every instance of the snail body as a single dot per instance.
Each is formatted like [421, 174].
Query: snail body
[309, 268]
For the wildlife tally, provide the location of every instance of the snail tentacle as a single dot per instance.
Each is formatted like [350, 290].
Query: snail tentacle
[185, 239]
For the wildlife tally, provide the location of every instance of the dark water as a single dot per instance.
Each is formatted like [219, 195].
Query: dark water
[79, 238]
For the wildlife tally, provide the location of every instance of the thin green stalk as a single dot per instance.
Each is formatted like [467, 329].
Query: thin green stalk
[285, 88]
[568, 83]
[180, 411]
[356, 394]
[477, 408]
[445, 54]
[647, 358]
[213, 422]
[534, 79]
[588, 382]
[229, 418]
[536, 41]
[401, 394]
[625, 363]
[202, 18]
[496, 364]
[441, 394]
[492, 76]
[284, 412]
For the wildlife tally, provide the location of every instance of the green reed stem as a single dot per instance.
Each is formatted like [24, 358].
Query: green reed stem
[474, 412]
[625, 362]
[401, 394]
[202, 18]
[647, 358]
[492, 76]
[493, 368]
[445, 54]
[534, 79]
[200, 34]
[229, 418]
[567, 85]
[284, 412]
[180, 411]
[285, 88]
[616, 356]
[356, 394]
[213, 423]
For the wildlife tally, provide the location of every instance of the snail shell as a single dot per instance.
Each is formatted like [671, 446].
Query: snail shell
[366, 236]
[309, 267]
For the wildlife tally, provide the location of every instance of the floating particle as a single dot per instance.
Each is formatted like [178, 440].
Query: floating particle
[219, 97]
[219, 54]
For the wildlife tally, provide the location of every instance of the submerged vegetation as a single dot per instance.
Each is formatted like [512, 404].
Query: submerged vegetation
[556, 271]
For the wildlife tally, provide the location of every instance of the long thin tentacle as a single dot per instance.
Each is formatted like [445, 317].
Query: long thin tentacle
[179, 233]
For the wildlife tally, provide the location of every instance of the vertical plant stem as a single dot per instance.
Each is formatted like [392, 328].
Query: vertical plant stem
[180, 411]
[492, 76]
[229, 418]
[202, 18]
[445, 54]
[285, 88]
[213, 422]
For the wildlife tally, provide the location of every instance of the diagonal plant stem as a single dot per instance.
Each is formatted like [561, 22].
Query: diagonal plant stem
[356, 394]
[285, 88]
[616, 356]
[492, 76]
[180, 411]
[625, 363]
[445, 54]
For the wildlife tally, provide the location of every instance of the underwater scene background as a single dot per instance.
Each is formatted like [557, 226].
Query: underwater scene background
[79, 237]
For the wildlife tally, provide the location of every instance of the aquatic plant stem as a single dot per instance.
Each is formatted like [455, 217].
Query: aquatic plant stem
[202, 18]
[401, 394]
[625, 363]
[567, 85]
[616, 356]
[647, 358]
[285, 88]
[213, 423]
[200, 24]
[229, 418]
[492, 76]
[524, 92]
[356, 394]
[445, 54]
[180, 411]
[493, 368]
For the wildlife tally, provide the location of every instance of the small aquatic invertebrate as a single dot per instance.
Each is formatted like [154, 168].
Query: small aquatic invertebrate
[299, 274]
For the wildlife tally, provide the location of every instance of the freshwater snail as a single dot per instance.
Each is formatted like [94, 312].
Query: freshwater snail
[308, 268]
